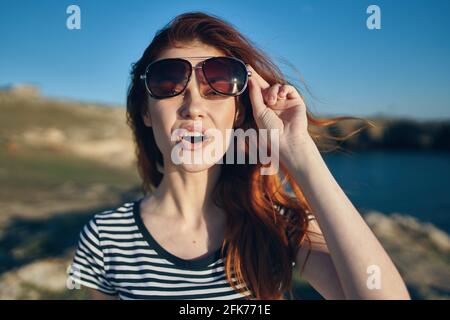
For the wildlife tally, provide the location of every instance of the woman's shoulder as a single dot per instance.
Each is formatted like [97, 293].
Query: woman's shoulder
[121, 211]
[107, 225]
[121, 214]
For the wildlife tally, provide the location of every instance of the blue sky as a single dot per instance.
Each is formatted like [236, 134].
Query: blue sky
[403, 69]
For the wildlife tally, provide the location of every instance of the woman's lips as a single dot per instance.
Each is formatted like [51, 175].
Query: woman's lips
[187, 145]
[186, 130]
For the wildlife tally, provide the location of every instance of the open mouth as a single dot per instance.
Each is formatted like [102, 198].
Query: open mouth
[193, 140]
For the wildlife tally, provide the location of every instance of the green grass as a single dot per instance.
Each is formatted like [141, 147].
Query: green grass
[31, 170]
[23, 114]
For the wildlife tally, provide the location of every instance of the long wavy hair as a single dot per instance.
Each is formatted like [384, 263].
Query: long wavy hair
[266, 224]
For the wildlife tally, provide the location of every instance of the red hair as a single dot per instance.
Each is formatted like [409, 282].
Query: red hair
[265, 224]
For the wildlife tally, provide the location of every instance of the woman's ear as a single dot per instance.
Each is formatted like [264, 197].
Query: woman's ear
[147, 119]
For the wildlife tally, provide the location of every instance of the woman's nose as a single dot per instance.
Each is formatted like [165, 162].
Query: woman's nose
[197, 84]
[194, 102]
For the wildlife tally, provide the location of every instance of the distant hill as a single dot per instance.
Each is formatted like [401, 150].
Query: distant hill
[23, 90]
[56, 154]
[394, 134]
[87, 130]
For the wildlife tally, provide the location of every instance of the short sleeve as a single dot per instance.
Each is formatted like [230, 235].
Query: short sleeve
[87, 267]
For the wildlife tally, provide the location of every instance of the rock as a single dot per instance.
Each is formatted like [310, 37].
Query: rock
[40, 279]
[25, 90]
[44, 137]
[420, 251]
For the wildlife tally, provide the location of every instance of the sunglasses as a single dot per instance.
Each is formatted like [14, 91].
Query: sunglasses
[166, 78]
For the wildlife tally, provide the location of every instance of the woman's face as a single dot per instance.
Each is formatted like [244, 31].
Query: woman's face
[195, 106]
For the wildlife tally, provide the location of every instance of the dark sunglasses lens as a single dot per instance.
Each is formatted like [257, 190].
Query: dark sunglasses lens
[166, 78]
[225, 75]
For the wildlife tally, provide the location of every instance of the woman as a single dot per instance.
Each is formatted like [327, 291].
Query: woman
[219, 230]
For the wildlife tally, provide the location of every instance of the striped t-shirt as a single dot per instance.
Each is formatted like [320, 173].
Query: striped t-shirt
[117, 255]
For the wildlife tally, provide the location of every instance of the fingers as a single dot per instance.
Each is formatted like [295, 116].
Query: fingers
[262, 94]
[289, 92]
[282, 93]
[285, 91]
[262, 84]
[256, 97]
[259, 80]
[272, 94]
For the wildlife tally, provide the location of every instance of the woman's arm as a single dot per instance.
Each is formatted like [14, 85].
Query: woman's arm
[352, 247]
[316, 267]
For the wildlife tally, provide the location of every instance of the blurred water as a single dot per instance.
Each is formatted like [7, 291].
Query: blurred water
[416, 183]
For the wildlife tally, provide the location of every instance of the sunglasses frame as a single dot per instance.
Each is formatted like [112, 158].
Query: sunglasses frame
[206, 58]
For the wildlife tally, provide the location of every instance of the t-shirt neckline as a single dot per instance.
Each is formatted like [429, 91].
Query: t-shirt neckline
[201, 263]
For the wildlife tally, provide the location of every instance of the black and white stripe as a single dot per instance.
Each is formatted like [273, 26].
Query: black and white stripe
[118, 256]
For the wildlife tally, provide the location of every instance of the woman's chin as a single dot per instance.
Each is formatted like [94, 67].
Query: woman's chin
[192, 168]
[195, 160]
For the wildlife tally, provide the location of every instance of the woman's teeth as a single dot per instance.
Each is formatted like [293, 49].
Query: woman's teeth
[194, 137]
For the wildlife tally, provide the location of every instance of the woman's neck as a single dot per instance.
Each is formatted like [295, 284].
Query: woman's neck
[188, 196]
